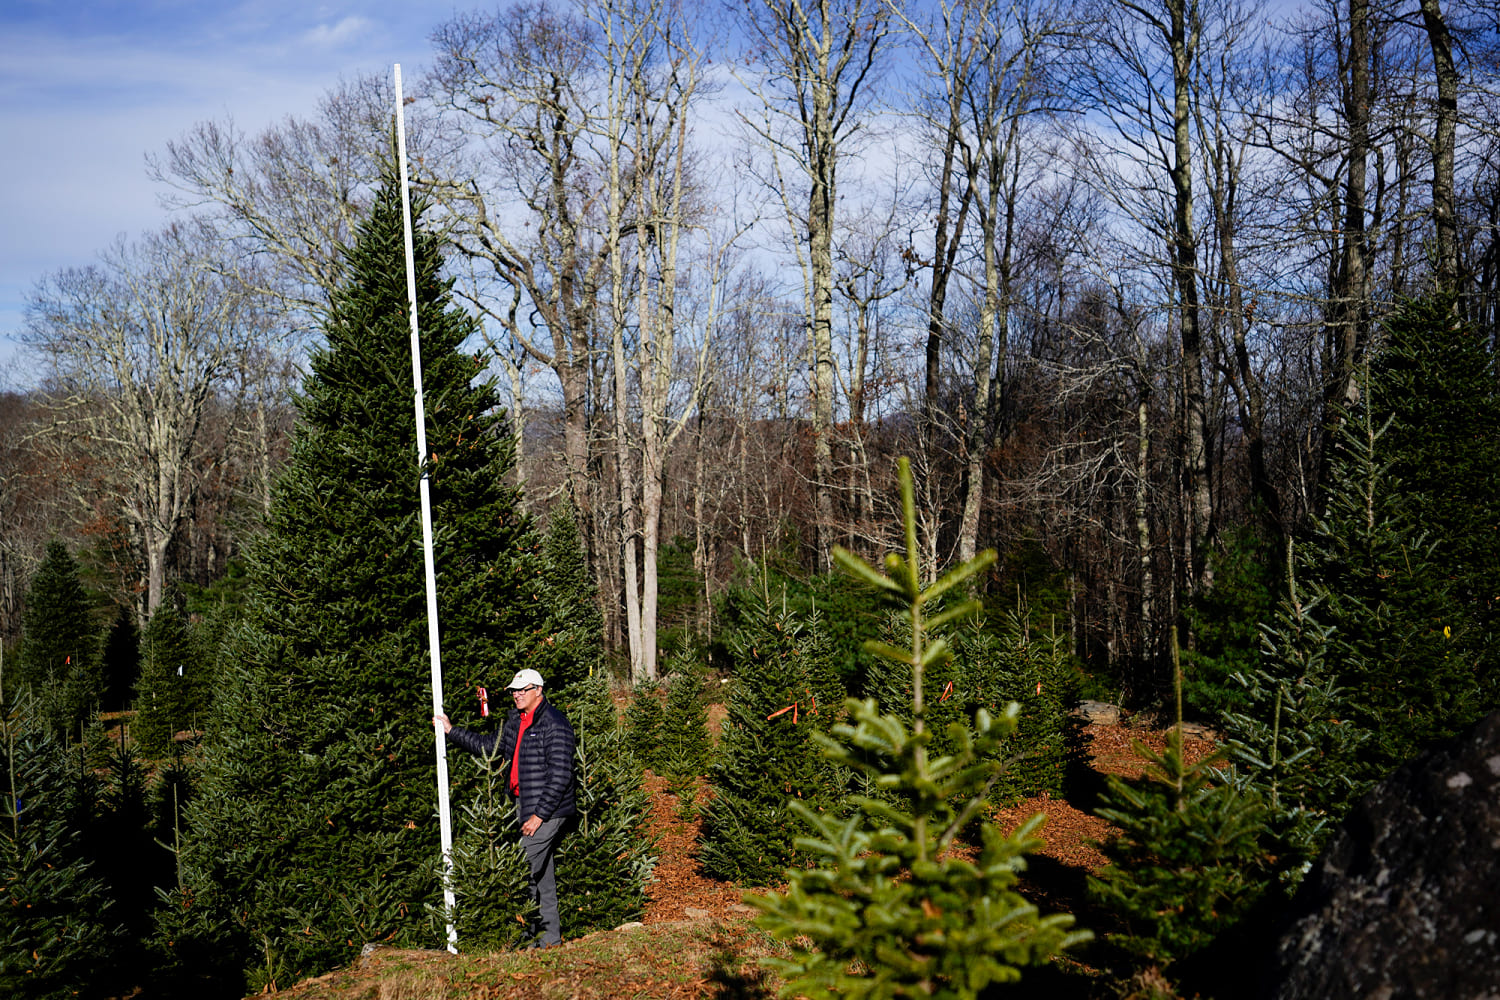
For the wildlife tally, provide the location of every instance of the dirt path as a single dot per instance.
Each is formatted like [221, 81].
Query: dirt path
[681, 892]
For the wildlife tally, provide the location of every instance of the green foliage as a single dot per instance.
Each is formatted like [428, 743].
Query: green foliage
[59, 930]
[128, 858]
[490, 883]
[643, 725]
[1187, 862]
[679, 595]
[1225, 620]
[991, 669]
[571, 648]
[1292, 742]
[172, 692]
[1381, 640]
[122, 661]
[174, 785]
[784, 690]
[846, 614]
[606, 859]
[686, 747]
[1026, 576]
[314, 830]
[885, 911]
[226, 595]
[60, 645]
[1434, 380]
[948, 689]
[1032, 669]
[1398, 636]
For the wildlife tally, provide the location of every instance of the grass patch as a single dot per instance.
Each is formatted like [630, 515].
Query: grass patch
[668, 961]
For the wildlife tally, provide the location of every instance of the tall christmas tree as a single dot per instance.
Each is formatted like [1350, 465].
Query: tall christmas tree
[1385, 586]
[60, 645]
[315, 830]
[1434, 379]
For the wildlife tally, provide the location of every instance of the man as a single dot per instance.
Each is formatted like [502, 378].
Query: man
[538, 741]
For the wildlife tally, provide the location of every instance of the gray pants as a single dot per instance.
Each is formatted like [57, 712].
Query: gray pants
[541, 849]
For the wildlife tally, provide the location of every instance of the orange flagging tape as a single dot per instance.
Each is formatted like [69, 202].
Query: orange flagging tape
[790, 708]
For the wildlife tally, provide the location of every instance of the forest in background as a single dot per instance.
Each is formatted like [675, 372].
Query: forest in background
[1182, 315]
[1107, 273]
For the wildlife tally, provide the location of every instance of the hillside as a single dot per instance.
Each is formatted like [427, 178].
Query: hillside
[696, 938]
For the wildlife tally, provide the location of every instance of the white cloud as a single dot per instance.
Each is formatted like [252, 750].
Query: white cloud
[329, 35]
[86, 92]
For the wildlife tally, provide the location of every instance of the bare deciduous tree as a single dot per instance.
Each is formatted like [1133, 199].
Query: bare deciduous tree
[817, 58]
[135, 351]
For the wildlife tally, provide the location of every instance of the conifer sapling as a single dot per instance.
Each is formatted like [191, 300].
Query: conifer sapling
[888, 911]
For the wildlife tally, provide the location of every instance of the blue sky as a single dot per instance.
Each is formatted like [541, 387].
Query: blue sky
[87, 89]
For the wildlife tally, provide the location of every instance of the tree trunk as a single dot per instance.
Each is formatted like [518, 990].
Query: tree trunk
[1444, 212]
[1346, 330]
[1184, 42]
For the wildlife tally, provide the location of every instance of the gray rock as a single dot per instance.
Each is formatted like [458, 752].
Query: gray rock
[1098, 713]
[1198, 731]
[1403, 904]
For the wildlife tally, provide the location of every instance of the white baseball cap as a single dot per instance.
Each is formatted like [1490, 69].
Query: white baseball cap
[526, 678]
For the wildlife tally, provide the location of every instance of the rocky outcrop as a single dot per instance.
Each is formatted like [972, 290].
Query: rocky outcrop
[1097, 713]
[1405, 903]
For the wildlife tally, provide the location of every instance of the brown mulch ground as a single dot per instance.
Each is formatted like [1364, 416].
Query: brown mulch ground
[680, 891]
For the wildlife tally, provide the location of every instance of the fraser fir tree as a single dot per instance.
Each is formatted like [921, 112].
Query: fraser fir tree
[1397, 639]
[60, 645]
[605, 861]
[643, 725]
[948, 687]
[572, 648]
[1187, 860]
[1249, 578]
[686, 746]
[490, 879]
[783, 692]
[1032, 669]
[59, 931]
[169, 693]
[1434, 378]
[315, 829]
[1292, 742]
[886, 910]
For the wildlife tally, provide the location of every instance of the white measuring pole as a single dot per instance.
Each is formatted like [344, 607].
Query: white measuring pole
[445, 821]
